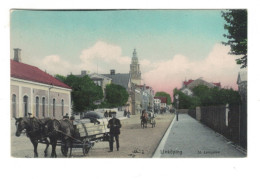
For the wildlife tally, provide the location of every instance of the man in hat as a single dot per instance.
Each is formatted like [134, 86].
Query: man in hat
[114, 125]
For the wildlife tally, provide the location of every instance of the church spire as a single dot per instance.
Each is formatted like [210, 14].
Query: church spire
[134, 58]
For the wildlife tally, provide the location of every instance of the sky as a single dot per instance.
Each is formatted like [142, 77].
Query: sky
[172, 45]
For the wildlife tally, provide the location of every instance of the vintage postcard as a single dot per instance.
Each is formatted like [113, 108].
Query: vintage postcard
[130, 83]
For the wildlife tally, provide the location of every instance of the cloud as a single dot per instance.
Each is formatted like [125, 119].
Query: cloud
[101, 57]
[105, 53]
[53, 64]
[218, 66]
[163, 75]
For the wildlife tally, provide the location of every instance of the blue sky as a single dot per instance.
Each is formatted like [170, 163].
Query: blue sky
[92, 40]
[174, 31]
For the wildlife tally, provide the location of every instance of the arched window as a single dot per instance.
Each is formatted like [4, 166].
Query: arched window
[37, 106]
[53, 104]
[25, 104]
[43, 106]
[62, 107]
[14, 105]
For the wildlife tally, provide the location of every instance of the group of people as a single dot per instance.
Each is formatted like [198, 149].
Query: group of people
[108, 114]
[127, 113]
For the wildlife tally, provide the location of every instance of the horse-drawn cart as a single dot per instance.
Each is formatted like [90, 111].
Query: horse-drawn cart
[65, 133]
[149, 120]
[85, 136]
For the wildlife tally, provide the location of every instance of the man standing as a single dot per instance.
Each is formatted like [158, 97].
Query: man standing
[114, 125]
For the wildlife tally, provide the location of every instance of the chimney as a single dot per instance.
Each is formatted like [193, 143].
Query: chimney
[112, 72]
[17, 55]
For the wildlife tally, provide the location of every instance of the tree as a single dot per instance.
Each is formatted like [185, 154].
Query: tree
[237, 34]
[205, 96]
[164, 94]
[185, 101]
[84, 92]
[116, 95]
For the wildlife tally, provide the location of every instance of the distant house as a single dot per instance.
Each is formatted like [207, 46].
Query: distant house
[35, 91]
[100, 80]
[163, 101]
[187, 86]
[157, 103]
[122, 79]
[147, 96]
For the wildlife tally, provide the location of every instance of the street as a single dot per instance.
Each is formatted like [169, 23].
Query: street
[135, 142]
[188, 138]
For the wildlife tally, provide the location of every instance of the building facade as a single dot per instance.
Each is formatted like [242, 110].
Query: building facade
[36, 92]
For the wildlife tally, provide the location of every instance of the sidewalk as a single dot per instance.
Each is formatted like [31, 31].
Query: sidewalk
[188, 138]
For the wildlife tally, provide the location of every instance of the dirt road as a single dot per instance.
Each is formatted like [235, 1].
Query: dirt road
[135, 142]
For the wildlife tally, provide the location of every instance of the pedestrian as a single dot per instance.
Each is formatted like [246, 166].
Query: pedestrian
[128, 114]
[114, 125]
[125, 113]
[109, 113]
[106, 114]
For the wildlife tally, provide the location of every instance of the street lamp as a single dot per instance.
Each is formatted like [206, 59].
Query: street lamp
[177, 111]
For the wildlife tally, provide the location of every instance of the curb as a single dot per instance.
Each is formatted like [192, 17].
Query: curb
[162, 142]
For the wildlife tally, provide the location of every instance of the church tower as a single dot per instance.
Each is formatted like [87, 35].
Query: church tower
[135, 70]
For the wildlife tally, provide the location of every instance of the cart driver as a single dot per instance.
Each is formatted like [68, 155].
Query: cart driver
[114, 125]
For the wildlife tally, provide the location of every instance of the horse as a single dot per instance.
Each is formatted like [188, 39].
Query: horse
[60, 130]
[144, 122]
[34, 130]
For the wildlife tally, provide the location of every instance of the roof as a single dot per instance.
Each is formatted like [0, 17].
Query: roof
[32, 73]
[141, 86]
[217, 84]
[121, 79]
[199, 81]
[187, 82]
[98, 76]
[163, 99]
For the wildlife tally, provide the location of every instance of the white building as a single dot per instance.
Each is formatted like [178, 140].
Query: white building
[36, 92]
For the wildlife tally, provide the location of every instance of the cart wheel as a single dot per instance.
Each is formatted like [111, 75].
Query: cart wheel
[85, 150]
[64, 151]
[85, 147]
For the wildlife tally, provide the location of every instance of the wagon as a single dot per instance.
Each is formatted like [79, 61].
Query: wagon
[86, 135]
[150, 120]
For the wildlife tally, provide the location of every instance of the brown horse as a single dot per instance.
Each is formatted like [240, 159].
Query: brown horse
[35, 130]
[62, 130]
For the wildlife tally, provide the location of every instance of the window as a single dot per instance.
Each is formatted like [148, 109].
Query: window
[14, 105]
[62, 107]
[53, 105]
[25, 104]
[37, 106]
[43, 106]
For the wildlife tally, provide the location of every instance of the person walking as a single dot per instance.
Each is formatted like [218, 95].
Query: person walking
[114, 125]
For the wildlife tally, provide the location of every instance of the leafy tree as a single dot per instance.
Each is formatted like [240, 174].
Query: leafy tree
[215, 96]
[237, 33]
[204, 96]
[60, 77]
[185, 101]
[164, 94]
[116, 95]
[84, 92]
